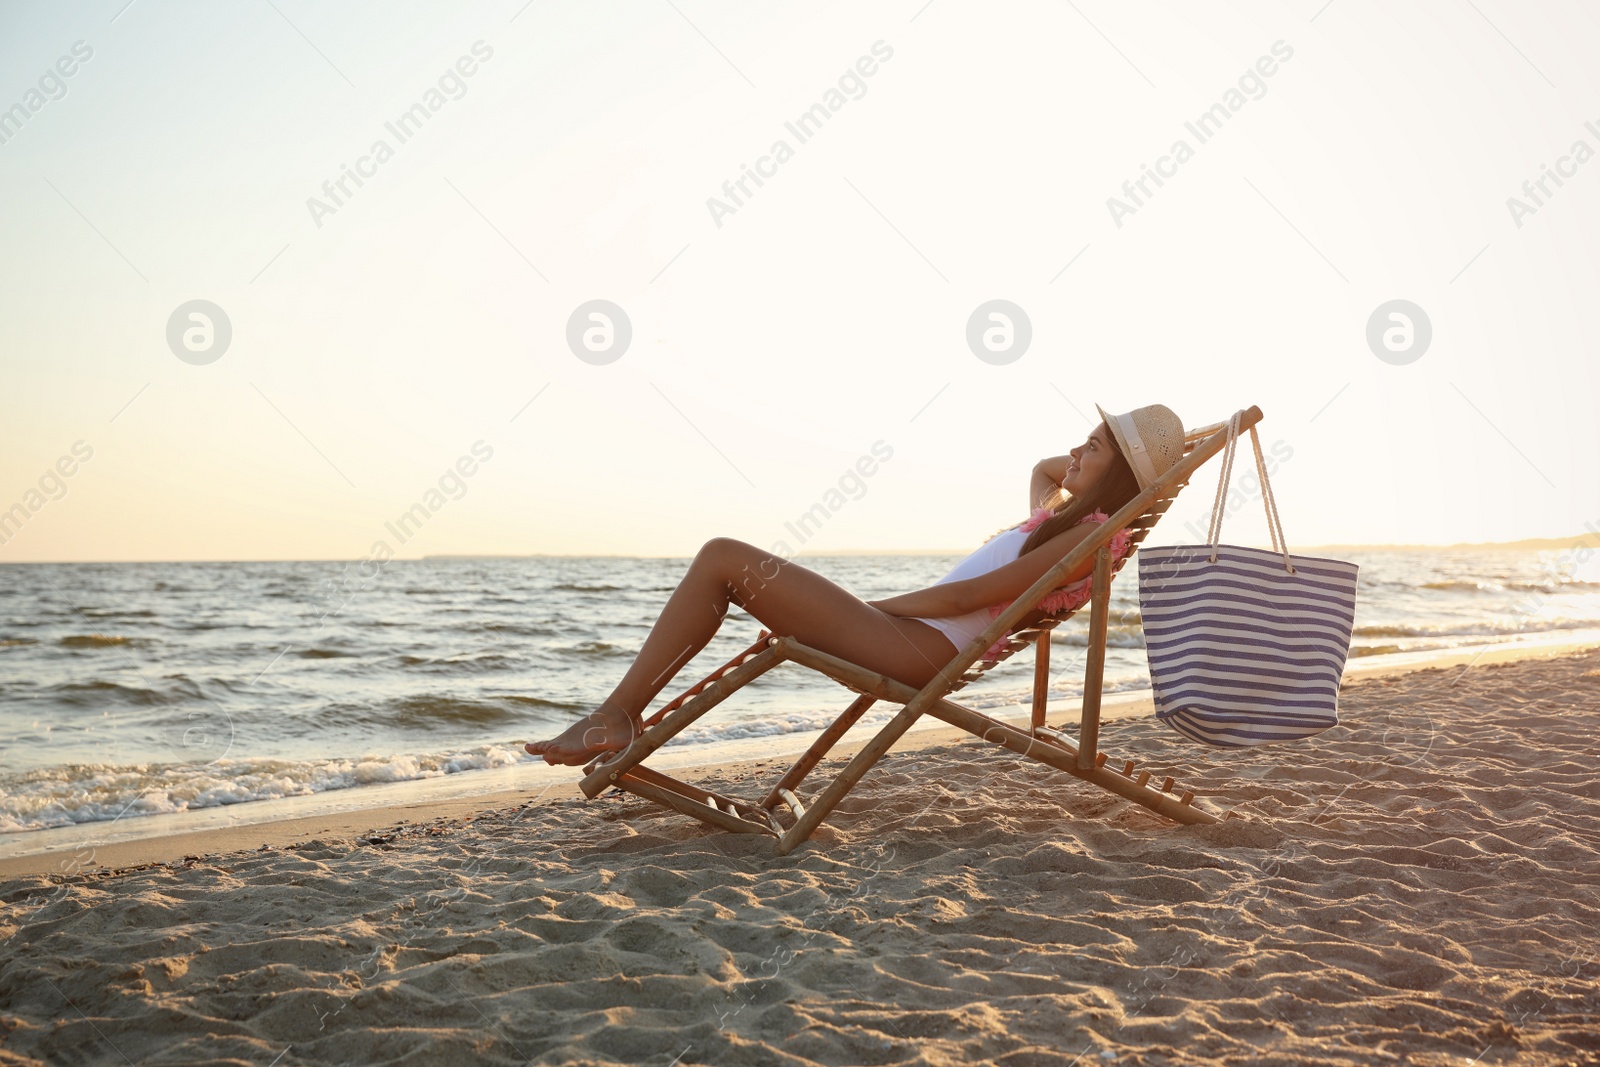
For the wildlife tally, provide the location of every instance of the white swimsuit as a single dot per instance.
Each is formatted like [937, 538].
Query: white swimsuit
[996, 552]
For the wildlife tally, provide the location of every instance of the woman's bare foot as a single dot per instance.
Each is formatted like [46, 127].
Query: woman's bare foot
[606, 729]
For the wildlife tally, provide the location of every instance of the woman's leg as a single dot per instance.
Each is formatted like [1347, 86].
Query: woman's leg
[788, 599]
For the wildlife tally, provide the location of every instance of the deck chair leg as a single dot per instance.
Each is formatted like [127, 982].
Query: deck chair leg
[806, 824]
[1094, 671]
[819, 748]
[1041, 677]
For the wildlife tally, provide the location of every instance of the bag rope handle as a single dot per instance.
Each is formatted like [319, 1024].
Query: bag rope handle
[1280, 543]
[1274, 521]
[1214, 528]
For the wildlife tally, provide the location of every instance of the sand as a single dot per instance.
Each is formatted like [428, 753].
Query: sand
[1417, 885]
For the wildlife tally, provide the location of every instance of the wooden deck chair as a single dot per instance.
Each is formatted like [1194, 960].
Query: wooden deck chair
[1082, 758]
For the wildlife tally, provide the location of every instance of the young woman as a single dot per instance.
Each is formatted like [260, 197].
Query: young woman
[907, 637]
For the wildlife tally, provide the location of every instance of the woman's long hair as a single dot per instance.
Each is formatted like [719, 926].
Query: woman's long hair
[1115, 488]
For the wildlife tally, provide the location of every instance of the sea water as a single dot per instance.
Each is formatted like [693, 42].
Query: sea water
[134, 689]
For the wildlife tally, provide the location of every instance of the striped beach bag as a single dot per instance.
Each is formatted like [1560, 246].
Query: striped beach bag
[1246, 646]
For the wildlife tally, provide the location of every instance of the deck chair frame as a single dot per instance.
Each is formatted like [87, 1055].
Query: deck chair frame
[1083, 758]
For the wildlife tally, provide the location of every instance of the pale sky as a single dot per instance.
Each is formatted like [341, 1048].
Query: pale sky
[375, 340]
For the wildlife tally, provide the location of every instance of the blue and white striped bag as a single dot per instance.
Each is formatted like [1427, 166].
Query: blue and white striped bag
[1245, 645]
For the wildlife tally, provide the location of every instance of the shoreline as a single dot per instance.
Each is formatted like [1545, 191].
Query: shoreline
[156, 839]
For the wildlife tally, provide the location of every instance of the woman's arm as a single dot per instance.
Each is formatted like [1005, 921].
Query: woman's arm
[1045, 488]
[998, 586]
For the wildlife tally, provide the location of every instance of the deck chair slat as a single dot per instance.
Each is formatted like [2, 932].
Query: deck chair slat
[657, 782]
[793, 801]
[1053, 734]
[607, 772]
[677, 702]
[703, 812]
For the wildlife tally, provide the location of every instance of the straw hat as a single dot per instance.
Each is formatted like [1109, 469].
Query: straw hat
[1151, 439]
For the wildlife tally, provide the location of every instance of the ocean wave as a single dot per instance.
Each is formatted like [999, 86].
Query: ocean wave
[589, 587]
[433, 712]
[98, 692]
[595, 648]
[13, 642]
[96, 641]
[323, 653]
[1554, 586]
[471, 664]
[1477, 629]
[1070, 636]
[508, 629]
[553, 705]
[84, 793]
[773, 725]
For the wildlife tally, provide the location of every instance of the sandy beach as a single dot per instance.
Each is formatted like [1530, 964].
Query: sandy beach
[1414, 886]
[398, 394]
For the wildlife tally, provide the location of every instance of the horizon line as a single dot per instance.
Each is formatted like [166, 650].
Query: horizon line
[1584, 540]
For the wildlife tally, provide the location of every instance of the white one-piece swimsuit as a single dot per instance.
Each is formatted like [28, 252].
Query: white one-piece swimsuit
[996, 552]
